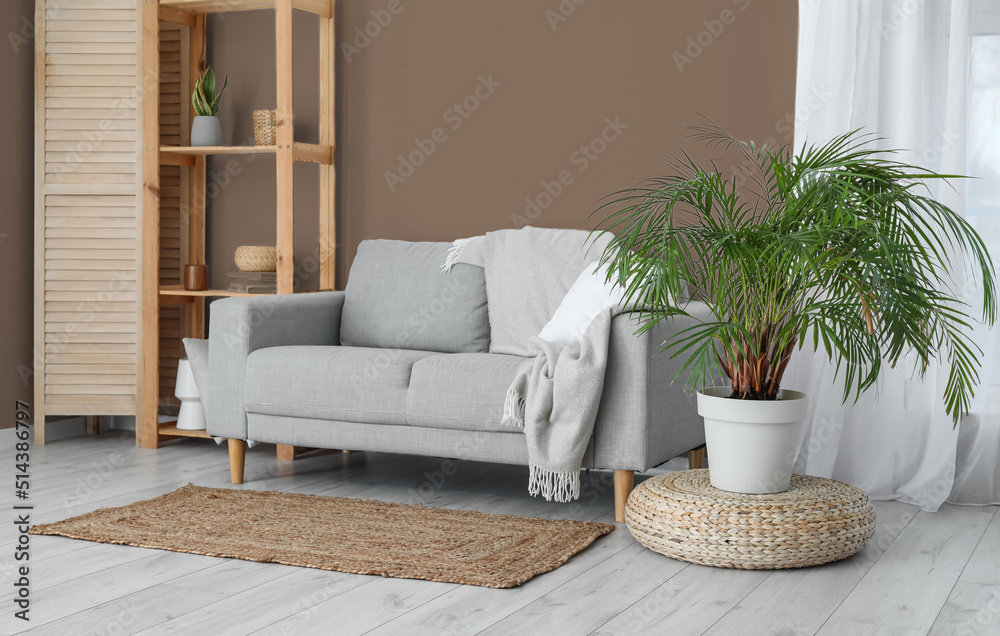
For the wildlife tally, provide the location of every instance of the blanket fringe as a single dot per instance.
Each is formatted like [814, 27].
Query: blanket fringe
[563, 487]
[513, 410]
[454, 253]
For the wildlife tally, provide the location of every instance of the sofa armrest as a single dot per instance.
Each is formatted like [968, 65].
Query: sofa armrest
[240, 326]
[646, 417]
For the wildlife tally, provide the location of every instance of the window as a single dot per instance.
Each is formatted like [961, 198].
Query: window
[983, 192]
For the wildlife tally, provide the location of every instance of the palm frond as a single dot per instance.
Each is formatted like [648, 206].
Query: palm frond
[839, 246]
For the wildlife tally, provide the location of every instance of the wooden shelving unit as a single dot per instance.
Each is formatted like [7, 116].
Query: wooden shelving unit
[169, 429]
[191, 14]
[178, 290]
[301, 153]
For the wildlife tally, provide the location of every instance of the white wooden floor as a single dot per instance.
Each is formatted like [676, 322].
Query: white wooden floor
[921, 574]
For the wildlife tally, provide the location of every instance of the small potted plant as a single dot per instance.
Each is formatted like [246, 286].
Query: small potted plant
[839, 246]
[205, 130]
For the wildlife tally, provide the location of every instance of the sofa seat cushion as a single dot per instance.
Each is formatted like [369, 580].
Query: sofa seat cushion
[351, 384]
[463, 391]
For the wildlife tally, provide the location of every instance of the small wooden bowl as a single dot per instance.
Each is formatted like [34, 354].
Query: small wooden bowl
[196, 277]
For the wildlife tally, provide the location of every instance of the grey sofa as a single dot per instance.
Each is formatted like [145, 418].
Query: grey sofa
[399, 363]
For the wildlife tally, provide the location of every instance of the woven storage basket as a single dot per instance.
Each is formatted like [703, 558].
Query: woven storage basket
[256, 258]
[264, 123]
[817, 521]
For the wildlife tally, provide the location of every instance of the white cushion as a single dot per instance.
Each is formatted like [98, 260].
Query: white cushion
[589, 296]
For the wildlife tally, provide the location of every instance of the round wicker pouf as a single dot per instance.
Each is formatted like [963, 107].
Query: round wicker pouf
[817, 521]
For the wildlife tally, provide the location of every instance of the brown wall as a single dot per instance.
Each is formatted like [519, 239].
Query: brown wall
[17, 212]
[608, 59]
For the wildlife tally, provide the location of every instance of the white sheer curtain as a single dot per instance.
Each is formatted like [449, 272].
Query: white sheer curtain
[978, 462]
[898, 68]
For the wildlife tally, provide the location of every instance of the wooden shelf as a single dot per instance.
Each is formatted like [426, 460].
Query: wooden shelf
[302, 153]
[192, 196]
[171, 430]
[322, 8]
[178, 290]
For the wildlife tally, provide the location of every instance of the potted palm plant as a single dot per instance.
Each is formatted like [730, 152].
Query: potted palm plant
[205, 129]
[838, 246]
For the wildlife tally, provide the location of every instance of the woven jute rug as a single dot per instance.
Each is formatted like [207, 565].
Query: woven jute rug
[347, 535]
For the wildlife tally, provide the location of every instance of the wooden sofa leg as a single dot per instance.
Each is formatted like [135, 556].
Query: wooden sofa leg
[286, 452]
[623, 487]
[237, 459]
[696, 458]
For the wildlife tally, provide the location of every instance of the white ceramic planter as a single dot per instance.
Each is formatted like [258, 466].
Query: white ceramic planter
[751, 443]
[192, 413]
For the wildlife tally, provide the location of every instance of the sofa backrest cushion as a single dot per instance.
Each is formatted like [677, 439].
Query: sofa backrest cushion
[397, 298]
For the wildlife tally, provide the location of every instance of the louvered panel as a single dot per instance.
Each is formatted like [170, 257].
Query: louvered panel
[88, 285]
[122, 306]
[107, 245]
[78, 26]
[90, 82]
[93, 153]
[87, 223]
[94, 264]
[73, 123]
[89, 233]
[109, 316]
[88, 347]
[91, 358]
[120, 113]
[81, 370]
[81, 48]
[53, 378]
[87, 186]
[75, 330]
[109, 37]
[92, 389]
[99, 404]
[173, 180]
[86, 178]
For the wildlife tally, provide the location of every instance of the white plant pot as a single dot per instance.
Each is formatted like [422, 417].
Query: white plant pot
[751, 443]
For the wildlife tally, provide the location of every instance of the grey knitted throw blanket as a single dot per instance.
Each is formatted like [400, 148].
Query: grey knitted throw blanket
[555, 396]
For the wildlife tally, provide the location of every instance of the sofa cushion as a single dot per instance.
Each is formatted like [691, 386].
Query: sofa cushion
[461, 391]
[340, 383]
[397, 297]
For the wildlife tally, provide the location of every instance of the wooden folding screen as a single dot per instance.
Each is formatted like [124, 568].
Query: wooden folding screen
[88, 197]
[174, 131]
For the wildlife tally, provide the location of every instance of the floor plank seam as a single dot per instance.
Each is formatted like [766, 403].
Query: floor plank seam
[736, 604]
[140, 591]
[307, 610]
[958, 579]
[430, 600]
[996, 515]
[872, 565]
[103, 582]
[564, 584]
[641, 599]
